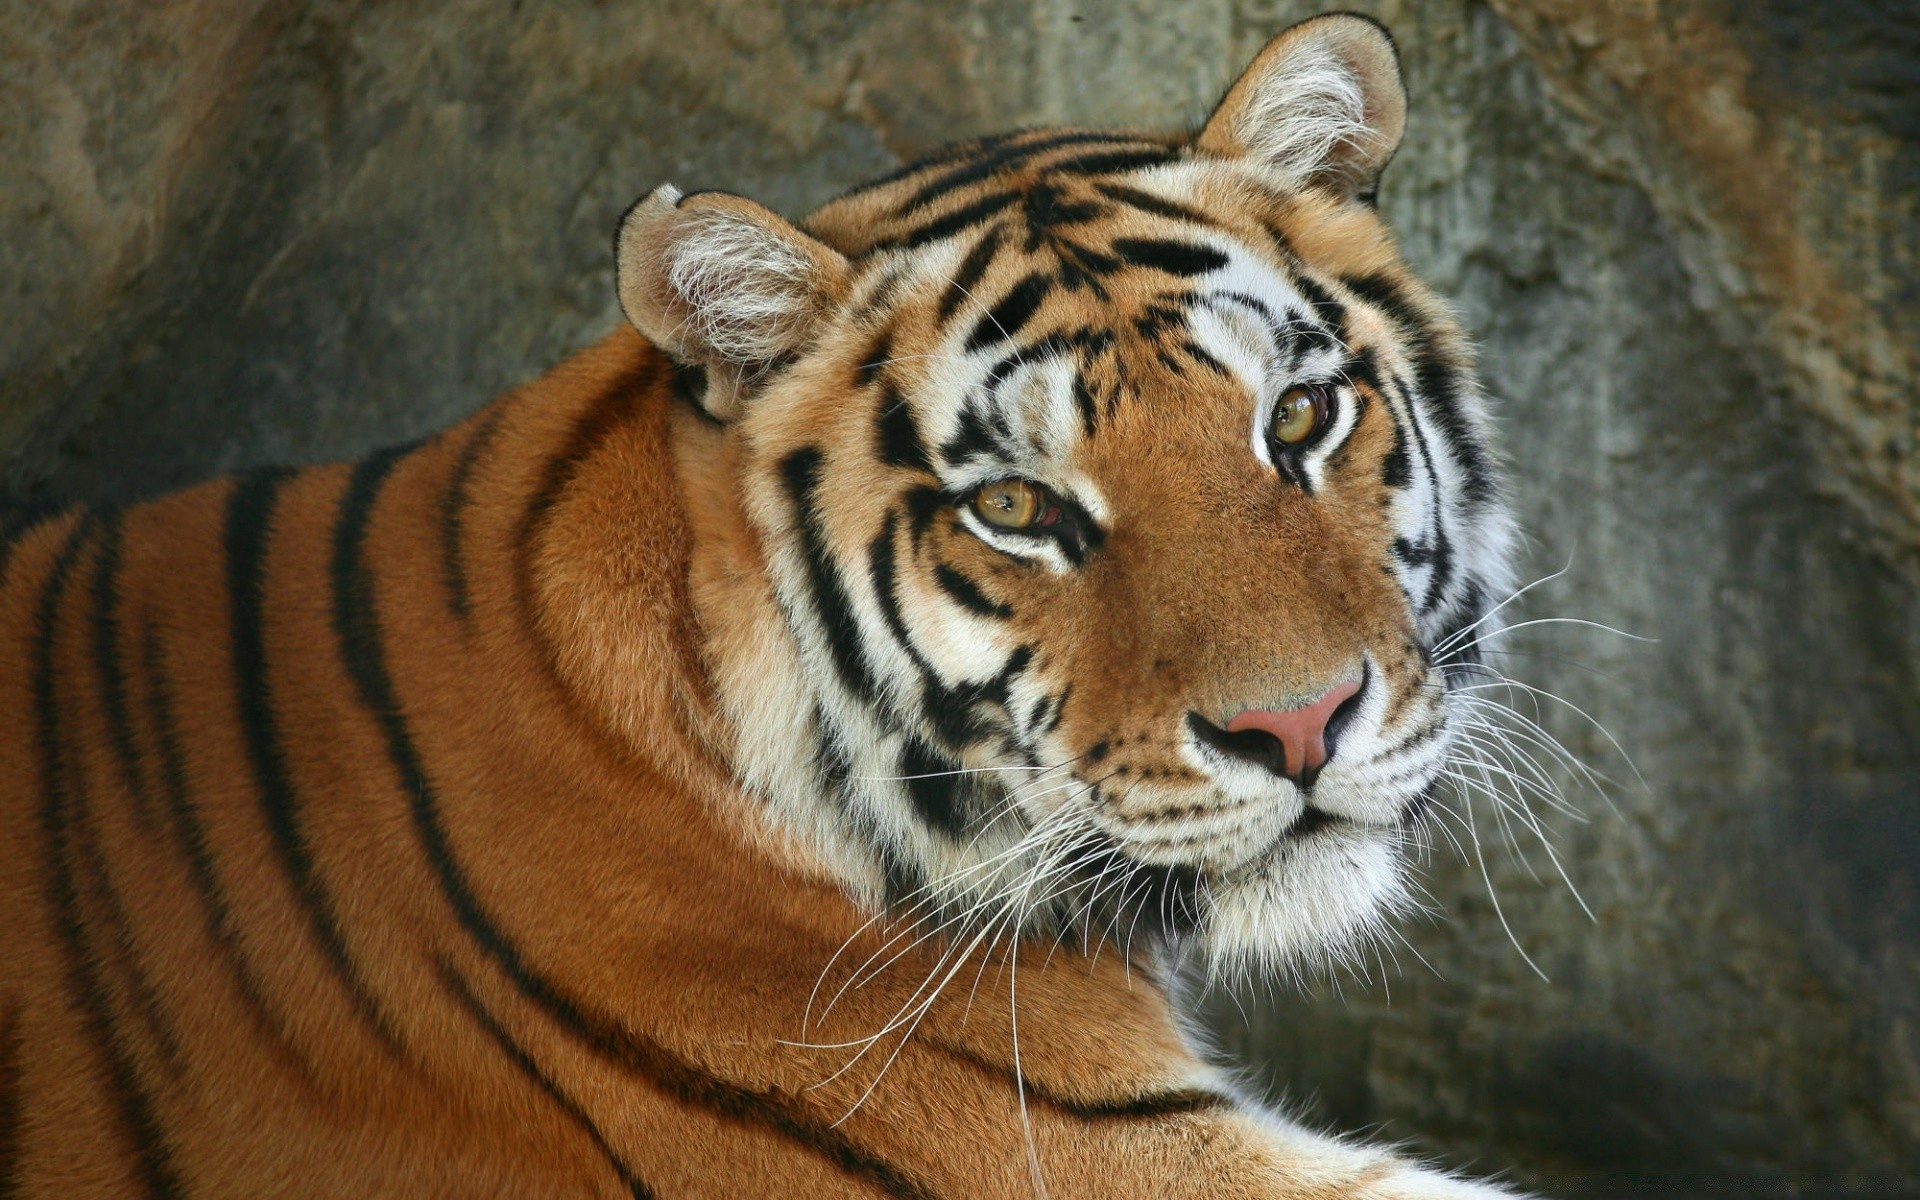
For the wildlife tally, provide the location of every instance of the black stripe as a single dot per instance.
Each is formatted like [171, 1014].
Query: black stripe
[11, 1089]
[964, 217]
[153, 1159]
[969, 273]
[834, 765]
[974, 436]
[951, 710]
[1059, 709]
[1303, 334]
[112, 672]
[687, 384]
[1281, 242]
[1036, 716]
[117, 951]
[948, 710]
[923, 505]
[1441, 385]
[898, 434]
[453, 511]
[1057, 344]
[1112, 162]
[1331, 312]
[1440, 553]
[1011, 312]
[1384, 294]
[215, 912]
[933, 785]
[1412, 553]
[1089, 408]
[967, 174]
[874, 361]
[1148, 202]
[1158, 317]
[963, 591]
[1173, 1102]
[996, 689]
[1251, 303]
[1047, 209]
[1179, 1102]
[952, 152]
[1003, 154]
[800, 471]
[1439, 382]
[611, 409]
[248, 529]
[518, 1055]
[1471, 609]
[879, 298]
[1199, 354]
[113, 917]
[1186, 259]
[880, 570]
[773, 1109]
[1396, 471]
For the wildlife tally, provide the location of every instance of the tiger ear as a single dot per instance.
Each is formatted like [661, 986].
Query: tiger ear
[720, 282]
[1322, 103]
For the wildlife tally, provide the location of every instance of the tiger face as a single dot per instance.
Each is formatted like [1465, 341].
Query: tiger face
[1092, 515]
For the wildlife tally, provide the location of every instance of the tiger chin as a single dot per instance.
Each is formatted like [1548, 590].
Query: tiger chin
[789, 748]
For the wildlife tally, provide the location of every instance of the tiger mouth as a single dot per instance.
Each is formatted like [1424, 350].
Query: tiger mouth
[1311, 821]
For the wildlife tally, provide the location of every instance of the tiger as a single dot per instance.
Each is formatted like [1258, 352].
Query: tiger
[804, 744]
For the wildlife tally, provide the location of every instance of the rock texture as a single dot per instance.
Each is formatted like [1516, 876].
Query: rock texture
[234, 232]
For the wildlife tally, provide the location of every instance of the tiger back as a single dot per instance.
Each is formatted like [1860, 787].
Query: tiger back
[790, 748]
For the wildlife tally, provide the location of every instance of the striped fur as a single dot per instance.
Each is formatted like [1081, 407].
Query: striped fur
[664, 784]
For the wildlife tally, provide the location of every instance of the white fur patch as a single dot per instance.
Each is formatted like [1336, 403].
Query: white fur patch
[1302, 114]
[748, 294]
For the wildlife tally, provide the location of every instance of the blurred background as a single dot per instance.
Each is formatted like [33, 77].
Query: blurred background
[1684, 232]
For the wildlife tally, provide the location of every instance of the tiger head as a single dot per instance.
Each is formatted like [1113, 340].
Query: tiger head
[1083, 519]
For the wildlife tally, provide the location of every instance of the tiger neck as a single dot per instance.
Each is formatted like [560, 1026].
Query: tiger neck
[629, 549]
[653, 598]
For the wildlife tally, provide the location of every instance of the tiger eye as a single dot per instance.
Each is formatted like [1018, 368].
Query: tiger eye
[1009, 504]
[1299, 414]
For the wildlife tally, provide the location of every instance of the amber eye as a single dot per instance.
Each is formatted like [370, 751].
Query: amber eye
[1011, 504]
[1300, 414]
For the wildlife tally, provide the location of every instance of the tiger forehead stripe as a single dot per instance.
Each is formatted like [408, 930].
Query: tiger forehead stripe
[997, 177]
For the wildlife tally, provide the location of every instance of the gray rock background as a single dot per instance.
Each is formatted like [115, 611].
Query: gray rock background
[234, 231]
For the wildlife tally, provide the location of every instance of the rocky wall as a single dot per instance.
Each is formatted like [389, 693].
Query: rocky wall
[234, 231]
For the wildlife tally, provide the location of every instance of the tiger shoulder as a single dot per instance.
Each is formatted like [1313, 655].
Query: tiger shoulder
[796, 746]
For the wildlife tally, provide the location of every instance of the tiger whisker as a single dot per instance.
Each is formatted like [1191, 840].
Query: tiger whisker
[1552, 744]
[1445, 643]
[1545, 842]
[928, 893]
[1456, 651]
[1538, 782]
[916, 1007]
[1493, 895]
[1036, 839]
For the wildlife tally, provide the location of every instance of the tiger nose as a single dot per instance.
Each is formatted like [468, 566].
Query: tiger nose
[1298, 746]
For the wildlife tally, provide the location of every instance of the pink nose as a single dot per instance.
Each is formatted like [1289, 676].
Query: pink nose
[1301, 732]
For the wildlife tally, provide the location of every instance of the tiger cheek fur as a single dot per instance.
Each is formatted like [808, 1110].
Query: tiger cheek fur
[692, 775]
